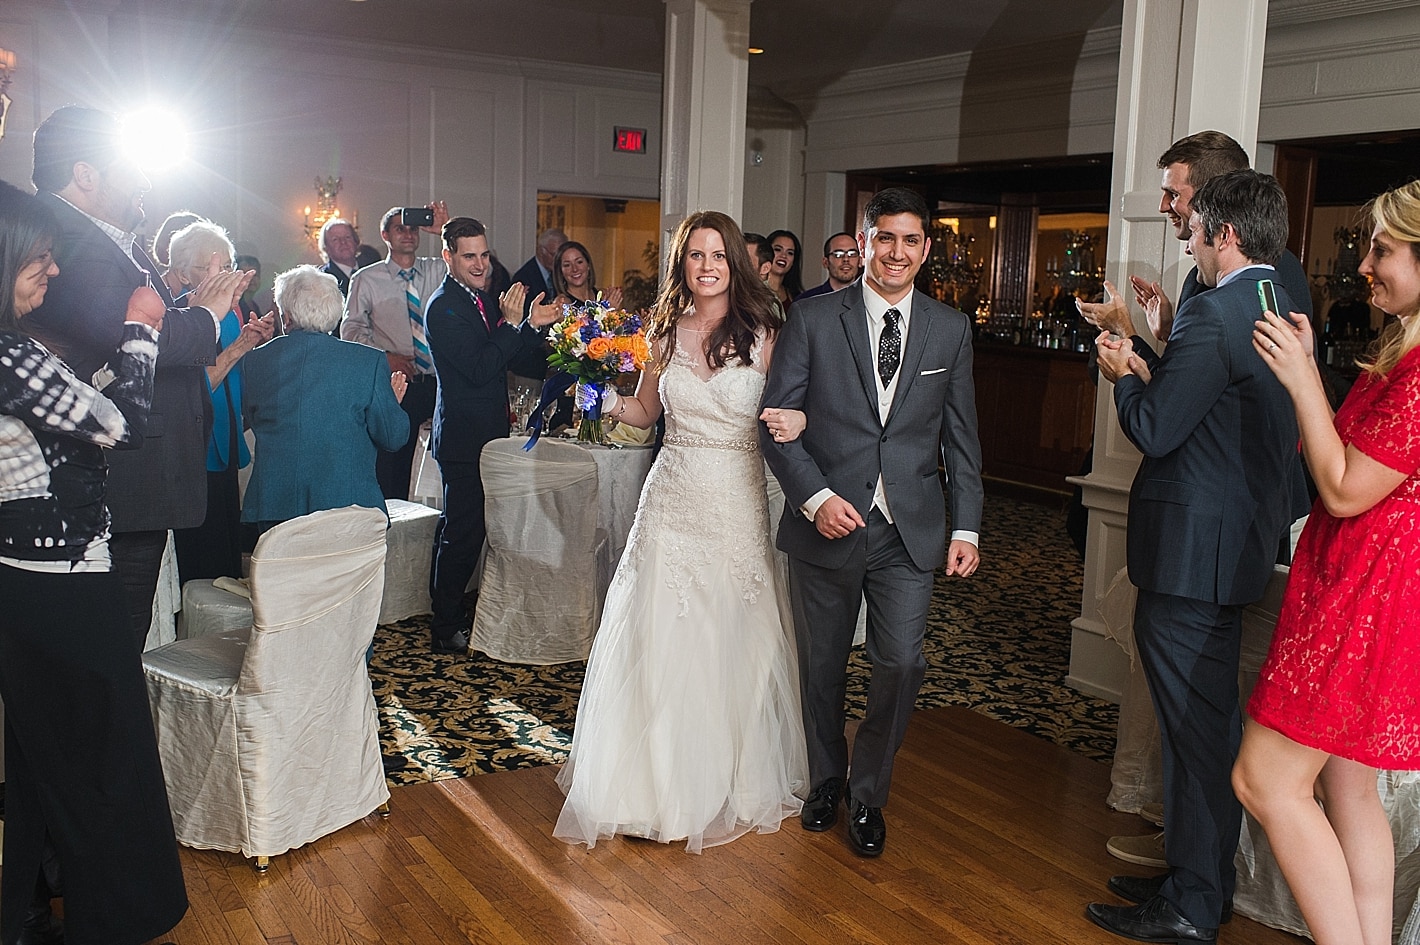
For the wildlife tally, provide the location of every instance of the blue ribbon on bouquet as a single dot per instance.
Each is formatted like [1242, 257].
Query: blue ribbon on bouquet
[552, 388]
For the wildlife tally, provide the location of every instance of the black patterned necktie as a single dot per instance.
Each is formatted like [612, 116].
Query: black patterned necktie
[889, 347]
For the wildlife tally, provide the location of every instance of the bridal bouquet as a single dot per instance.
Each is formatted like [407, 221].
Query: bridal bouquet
[594, 343]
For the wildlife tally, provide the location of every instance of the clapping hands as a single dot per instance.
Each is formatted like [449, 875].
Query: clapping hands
[511, 302]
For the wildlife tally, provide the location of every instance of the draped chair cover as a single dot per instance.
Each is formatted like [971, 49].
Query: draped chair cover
[548, 565]
[269, 735]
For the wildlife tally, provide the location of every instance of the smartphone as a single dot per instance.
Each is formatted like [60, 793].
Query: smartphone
[1267, 296]
[416, 216]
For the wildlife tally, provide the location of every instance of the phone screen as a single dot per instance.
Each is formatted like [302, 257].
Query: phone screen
[1267, 296]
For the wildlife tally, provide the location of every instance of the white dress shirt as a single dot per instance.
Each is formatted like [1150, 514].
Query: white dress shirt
[376, 311]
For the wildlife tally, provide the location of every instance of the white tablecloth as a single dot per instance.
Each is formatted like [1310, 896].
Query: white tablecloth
[621, 471]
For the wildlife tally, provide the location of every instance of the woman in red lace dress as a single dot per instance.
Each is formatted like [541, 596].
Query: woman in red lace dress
[1339, 695]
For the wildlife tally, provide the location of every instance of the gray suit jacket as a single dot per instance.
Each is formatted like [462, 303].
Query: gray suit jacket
[823, 365]
[1221, 473]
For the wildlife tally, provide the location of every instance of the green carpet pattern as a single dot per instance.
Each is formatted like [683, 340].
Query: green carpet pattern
[997, 643]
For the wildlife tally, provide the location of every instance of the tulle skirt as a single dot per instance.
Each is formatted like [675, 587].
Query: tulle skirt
[689, 726]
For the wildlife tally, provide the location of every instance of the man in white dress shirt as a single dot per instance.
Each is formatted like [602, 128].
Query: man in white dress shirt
[385, 310]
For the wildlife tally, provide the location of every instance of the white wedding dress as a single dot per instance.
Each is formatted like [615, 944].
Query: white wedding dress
[689, 725]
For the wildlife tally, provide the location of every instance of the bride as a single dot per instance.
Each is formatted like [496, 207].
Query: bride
[689, 725]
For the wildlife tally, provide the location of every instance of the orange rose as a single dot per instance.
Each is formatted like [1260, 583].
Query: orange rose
[599, 348]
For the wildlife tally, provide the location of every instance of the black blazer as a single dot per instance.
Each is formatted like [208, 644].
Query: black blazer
[532, 363]
[471, 363]
[341, 278]
[1290, 276]
[163, 484]
[530, 275]
[1221, 471]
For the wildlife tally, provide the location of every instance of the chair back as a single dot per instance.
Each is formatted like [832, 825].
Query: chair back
[539, 599]
[269, 736]
[316, 583]
[541, 504]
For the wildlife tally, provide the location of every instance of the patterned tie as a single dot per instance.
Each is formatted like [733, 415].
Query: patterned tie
[889, 347]
[422, 360]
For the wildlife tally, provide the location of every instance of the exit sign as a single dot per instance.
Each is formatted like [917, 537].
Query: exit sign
[632, 140]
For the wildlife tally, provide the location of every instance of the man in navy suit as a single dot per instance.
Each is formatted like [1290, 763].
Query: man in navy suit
[1187, 165]
[536, 275]
[96, 192]
[864, 513]
[842, 262]
[472, 345]
[1211, 500]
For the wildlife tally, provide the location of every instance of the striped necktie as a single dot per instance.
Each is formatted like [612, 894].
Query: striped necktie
[422, 360]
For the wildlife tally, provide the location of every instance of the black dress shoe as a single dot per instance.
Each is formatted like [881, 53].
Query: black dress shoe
[1144, 888]
[41, 927]
[455, 645]
[867, 834]
[821, 809]
[1153, 921]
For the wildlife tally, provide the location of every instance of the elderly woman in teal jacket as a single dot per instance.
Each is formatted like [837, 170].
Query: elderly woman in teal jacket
[320, 409]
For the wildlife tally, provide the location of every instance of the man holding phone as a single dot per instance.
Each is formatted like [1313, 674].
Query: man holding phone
[385, 309]
[1209, 504]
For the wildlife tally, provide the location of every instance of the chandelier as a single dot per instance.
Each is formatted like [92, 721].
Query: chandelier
[953, 273]
[1078, 273]
[325, 209]
[1344, 283]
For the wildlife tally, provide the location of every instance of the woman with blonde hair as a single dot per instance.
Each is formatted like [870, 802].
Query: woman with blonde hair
[1339, 695]
[689, 725]
[213, 549]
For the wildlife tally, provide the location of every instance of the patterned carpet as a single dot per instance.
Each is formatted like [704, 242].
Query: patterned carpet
[998, 643]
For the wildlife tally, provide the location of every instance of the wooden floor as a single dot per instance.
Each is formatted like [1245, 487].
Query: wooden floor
[995, 838]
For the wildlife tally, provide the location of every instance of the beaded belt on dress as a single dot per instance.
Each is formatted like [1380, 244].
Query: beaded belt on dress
[681, 439]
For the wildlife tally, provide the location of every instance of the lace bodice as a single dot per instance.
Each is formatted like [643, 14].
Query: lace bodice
[704, 503]
[718, 407]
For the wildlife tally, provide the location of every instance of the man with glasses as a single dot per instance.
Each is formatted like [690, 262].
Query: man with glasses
[842, 261]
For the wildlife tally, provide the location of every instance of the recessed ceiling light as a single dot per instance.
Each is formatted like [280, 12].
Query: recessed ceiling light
[756, 51]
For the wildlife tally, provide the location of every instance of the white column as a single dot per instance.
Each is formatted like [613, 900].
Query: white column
[1184, 66]
[823, 207]
[703, 102]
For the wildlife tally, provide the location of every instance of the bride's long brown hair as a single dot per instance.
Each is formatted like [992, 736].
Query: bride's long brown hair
[751, 305]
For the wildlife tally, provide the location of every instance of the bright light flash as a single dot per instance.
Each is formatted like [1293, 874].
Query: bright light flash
[154, 138]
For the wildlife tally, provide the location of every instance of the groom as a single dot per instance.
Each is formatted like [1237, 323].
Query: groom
[884, 375]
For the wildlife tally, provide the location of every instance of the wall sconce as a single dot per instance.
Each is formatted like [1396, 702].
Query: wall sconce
[325, 209]
[7, 72]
